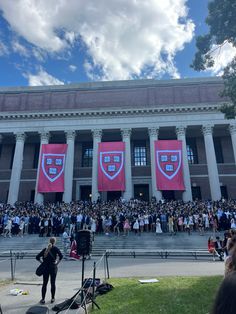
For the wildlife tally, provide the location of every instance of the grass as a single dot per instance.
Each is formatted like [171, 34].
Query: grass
[171, 295]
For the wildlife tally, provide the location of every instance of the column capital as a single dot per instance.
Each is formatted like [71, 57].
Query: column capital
[207, 129]
[44, 136]
[97, 133]
[126, 133]
[153, 132]
[70, 135]
[232, 129]
[180, 130]
[20, 136]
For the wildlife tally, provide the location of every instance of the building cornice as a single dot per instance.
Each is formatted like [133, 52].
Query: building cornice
[62, 114]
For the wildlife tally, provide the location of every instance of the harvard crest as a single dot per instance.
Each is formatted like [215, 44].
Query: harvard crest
[53, 166]
[169, 162]
[111, 163]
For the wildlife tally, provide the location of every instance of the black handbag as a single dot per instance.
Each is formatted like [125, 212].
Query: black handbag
[40, 269]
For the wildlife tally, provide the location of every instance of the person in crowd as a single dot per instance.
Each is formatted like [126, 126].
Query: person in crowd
[219, 247]
[225, 301]
[51, 256]
[230, 261]
[136, 227]
[73, 250]
[65, 242]
[8, 227]
[158, 227]
[126, 227]
[21, 228]
[211, 248]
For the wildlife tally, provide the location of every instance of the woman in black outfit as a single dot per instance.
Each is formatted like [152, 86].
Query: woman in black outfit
[51, 256]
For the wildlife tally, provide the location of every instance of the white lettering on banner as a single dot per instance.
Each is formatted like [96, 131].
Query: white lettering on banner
[111, 168]
[52, 170]
[116, 158]
[49, 161]
[58, 162]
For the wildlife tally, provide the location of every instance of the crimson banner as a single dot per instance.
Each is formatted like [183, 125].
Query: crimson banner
[111, 159]
[51, 171]
[169, 165]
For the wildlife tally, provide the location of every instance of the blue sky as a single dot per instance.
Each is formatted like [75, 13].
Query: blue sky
[69, 41]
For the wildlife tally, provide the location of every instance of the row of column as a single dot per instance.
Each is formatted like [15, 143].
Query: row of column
[126, 134]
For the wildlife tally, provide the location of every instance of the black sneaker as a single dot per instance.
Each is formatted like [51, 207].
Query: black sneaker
[42, 301]
[52, 300]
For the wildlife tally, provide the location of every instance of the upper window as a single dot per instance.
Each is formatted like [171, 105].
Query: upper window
[87, 156]
[192, 151]
[140, 154]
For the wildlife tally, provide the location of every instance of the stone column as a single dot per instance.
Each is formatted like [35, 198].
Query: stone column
[187, 194]
[97, 136]
[232, 129]
[211, 163]
[16, 169]
[128, 193]
[69, 166]
[153, 136]
[44, 139]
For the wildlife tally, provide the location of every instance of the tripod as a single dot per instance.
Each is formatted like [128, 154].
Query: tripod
[82, 292]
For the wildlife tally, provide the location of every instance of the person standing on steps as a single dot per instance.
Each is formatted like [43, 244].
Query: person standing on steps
[51, 256]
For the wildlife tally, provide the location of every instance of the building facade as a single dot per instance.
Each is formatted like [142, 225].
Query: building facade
[135, 112]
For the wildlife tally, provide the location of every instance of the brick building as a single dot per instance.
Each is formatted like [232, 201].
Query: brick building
[136, 112]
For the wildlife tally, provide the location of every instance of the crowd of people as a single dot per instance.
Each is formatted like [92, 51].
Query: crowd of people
[118, 217]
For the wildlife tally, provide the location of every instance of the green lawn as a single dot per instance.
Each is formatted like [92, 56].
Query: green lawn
[171, 295]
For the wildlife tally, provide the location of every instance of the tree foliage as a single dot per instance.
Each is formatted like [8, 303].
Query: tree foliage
[221, 20]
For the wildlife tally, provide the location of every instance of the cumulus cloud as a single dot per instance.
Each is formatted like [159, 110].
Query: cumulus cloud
[3, 49]
[123, 39]
[42, 78]
[72, 67]
[222, 56]
[20, 49]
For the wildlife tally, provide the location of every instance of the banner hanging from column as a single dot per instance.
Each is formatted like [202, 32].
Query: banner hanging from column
[169, 165]
[52, 165]
[111, 173]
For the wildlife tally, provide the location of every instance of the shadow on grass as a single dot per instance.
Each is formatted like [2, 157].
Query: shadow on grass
[172, 295]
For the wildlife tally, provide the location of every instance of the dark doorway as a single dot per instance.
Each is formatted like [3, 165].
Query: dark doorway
[58, 197]
[113, 195]
[32, 194]
[85, 192]
[224, 192]
[168, 195]
[141, 192]
[196, 193]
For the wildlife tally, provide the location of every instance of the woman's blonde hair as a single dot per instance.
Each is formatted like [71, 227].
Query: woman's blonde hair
[52, 241]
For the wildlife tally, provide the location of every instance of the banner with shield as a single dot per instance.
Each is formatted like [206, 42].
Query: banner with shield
[169, 165]
[52, 165]
[111, 159]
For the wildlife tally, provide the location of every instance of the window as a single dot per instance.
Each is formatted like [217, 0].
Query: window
[36, 156]
[140, 154]
[192, 151]
[196, 193]
[224, 192]
[218, 150]
[87, 156]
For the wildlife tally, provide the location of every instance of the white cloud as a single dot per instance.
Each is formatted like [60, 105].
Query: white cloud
[222, 56]
[19, 48]
[72, 67]
[123, 39]
[3, 49]
[42, 78]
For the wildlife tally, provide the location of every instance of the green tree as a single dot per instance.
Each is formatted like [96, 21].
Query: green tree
[221, 20]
